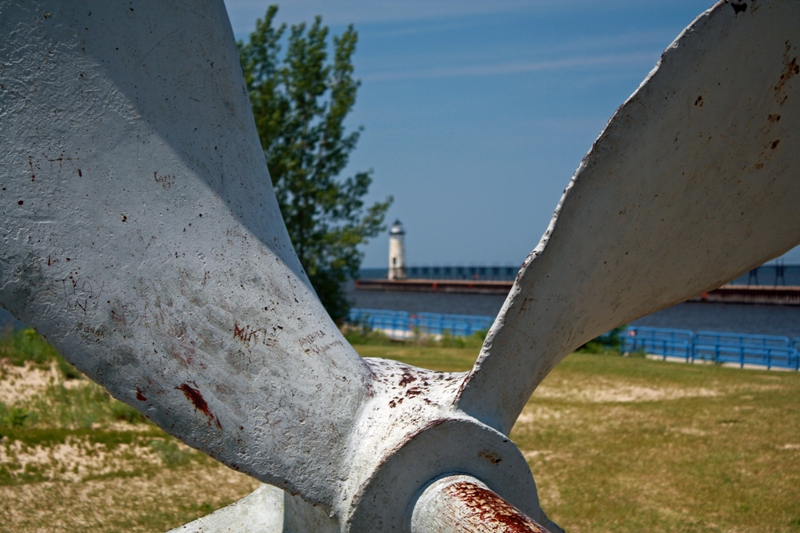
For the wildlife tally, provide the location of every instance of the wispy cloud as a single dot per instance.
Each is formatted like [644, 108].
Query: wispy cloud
[244, 12]
[624, 60]
[511, 55]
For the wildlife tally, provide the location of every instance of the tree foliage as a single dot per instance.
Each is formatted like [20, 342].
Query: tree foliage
[300, 102]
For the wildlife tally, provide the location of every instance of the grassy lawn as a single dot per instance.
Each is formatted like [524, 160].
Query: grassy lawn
[74, 459]
[629, 444]
[615, 444]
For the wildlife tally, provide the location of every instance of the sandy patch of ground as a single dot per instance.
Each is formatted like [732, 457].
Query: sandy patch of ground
[76, 459]
[144, 503]
[694, 432]
[540, 413]
[603, 391]
[543, 455]
[123, 426]
[18, 383]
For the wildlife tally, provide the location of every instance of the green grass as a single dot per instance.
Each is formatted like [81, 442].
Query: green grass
[364, 336]
[74, 458]
[432, 357]
[21, 346]
[720, 451]
[629, 444]
[615, 444]
[27, 346]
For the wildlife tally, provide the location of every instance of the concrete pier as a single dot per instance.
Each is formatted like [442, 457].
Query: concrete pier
[739, 294]
[435, 285]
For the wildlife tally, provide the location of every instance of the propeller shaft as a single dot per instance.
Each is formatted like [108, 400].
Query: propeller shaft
[462, 504]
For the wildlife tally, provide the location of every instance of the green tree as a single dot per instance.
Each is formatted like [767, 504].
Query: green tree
[300, 102]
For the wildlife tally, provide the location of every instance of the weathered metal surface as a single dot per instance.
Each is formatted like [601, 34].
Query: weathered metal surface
[693, 182]
[140, 235]
[260, 512]
[463, 504]
[409, 434]
[267, 510]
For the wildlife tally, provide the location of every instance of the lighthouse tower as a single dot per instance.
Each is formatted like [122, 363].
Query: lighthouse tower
[397, 256]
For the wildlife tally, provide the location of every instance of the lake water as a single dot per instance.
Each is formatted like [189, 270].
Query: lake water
[695, 316]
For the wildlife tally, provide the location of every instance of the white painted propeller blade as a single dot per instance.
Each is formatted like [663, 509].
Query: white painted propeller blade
[693, 182]
[259, 512]
[267, 510]
[141, 236]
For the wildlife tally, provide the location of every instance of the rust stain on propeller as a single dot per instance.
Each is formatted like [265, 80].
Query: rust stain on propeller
[199, 402]
[490, 511]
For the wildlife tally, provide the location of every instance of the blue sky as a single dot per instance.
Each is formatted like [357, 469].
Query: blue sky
[477, 112]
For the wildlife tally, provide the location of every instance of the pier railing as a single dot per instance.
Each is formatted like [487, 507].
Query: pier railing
[448, 272]
[772, 351]
[771, 275]
[402, 324]
[774, 274]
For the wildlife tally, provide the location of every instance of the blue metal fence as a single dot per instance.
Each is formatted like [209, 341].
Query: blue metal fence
[660, 341]
[380, 319]
[741, 339]
[426, 323]
[771, 351]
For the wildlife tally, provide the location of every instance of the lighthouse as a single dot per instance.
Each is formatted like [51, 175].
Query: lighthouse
[397, 256]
